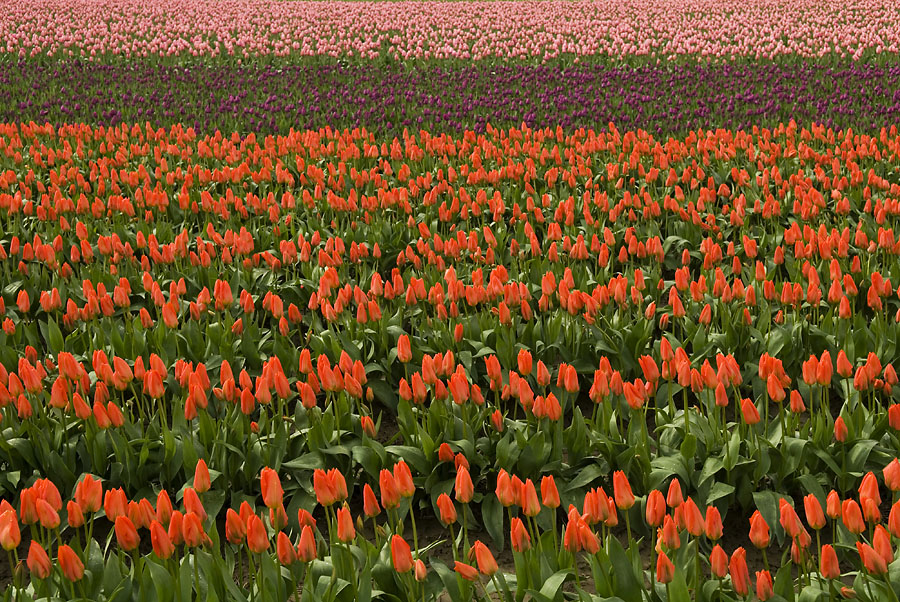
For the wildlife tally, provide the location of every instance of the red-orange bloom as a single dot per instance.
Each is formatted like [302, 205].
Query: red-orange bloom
[464, 487]
[828, 563]
[622, 491]
[70, 563]
[272, 493]
[487, 565]
[740, 576]
[759, 530]
[401, 555]
[665, 570]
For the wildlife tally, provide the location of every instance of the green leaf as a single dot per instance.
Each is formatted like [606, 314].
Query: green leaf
[626, 583]
[492, 515]
[552, 588]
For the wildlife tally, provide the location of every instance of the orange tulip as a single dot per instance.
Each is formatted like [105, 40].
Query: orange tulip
[487, 565]
[750, 413]
[840, 430]
[89, 494]
[285, 549]
[70, 564]
[306, 549]
[257, 538]
[404, 349]
[464, 487]
[272, 493]
[401, 555]
[447, 509]
[235, 528]
[872, 561]
[345, 530]
[467, 572]
[162, 544]
[852, 517]
[764, 586]
[75, 515]
[549, 493]
[370, 502]
[126, 534]
[390, 493]
[404, 479]
[518, 534]
[192, 530]
[759, 531]
[713, 523]
[665, 570]
[10, 535]
[674, 497]
[528, 499]
[38, 561]
[622, 491]
[740, 576]
[718, 562]
[828, 563]
[201, 477]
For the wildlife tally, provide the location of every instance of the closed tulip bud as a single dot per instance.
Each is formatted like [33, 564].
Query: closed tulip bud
[833, 504]
[872, 561]
[622, 491]
[497, 421]
[420, 571]
[401, 555]
[750, 413]
[665, 570]
[524, 362]
[201, 477]
[814, 515]
[370, 502]
[656, 508]
[669, 536]
[75, 515]
[882, 544]
[10, 535]
[446, 509]
[764, 586]
[306, 549]
[272, 493]
[892, 475]
[713, 523]
[89, 494]
[192, 530]
[163, 507]
[693, 519]
[235, 528]
[257, 538]
[345, 530]
[38, 562]
[549, 493]
[840, 430]
[368, 426]
[718, 562]
[162, 544]
[467, 572]
[894, 520]
[70, 564]
[193, 504]
[404, 349]
[674, 496]
[390, 494]
[285, 549]
[47, 516]
[404, 479]
[464, 487]
[828, 563]
[759, 530]
[852, 517]
[528, 499]
[487, 565]
[740, 576]
[518, 534]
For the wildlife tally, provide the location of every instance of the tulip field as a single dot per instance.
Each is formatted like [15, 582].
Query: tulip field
[450, 301]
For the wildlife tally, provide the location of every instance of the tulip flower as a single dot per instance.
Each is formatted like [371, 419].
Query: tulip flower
[126, 534]
[257, 538]
[549, 494]
[38, 561]
[740, 576]
[828, 563]
[270, 485]
[306, 549]
[345, 530]
[201, 477]
[464, 487]
[487, 565]
[764, 585]
[401, 555]
[665, 570]
[718, 562]
[71, 565]
[162, 544]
